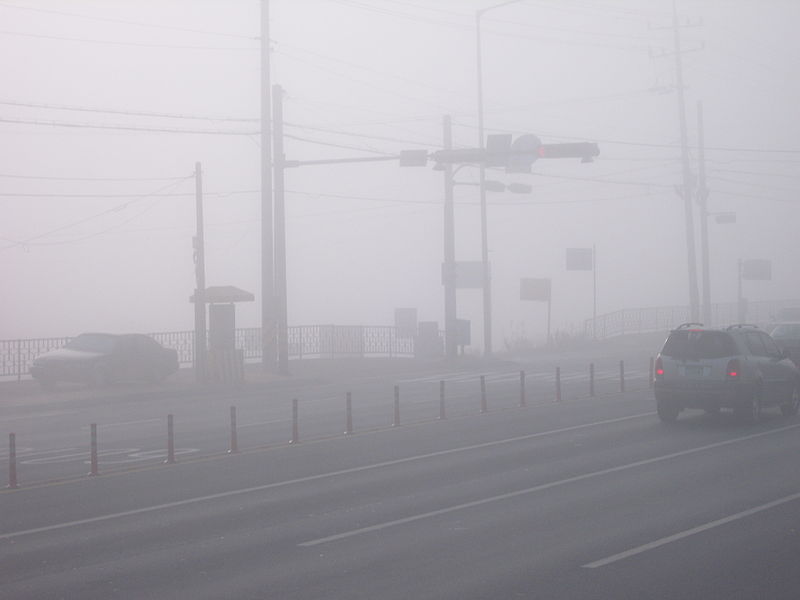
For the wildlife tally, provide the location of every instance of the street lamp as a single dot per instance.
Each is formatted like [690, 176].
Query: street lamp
[487, 287]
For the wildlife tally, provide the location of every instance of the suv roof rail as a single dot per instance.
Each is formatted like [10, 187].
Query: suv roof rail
[687, 325]
[741, 326]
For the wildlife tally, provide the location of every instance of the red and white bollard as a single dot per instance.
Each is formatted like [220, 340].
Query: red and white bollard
[12, 461]
[94, 469]
[170, 441]
[348, 426]
[396, 421]
[234, 435]
[441, 400]
[558, 384]
[295, 429]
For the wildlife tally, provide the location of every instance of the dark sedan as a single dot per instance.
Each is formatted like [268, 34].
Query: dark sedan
[98, 359]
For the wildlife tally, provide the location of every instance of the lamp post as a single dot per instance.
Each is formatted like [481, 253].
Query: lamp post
[487, 286]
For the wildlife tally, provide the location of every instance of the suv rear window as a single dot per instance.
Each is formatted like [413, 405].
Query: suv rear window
[699, 344]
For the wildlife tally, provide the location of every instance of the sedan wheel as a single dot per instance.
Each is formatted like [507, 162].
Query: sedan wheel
[789, 409]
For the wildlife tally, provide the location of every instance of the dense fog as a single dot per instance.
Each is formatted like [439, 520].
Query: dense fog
[106, 106]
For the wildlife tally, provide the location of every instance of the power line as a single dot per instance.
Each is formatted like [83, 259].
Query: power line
[119, 207]
[119, 43]
[54, 178]
[124, 127]
[346, 147]
[126, 22]
[136, 113]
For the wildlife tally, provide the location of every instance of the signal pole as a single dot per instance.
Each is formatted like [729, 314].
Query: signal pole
[268, 345]
[449, 273]
[200, 354]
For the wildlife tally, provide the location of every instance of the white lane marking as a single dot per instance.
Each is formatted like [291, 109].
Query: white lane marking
[684, 534]
[124, 423]
[77, 455]
[332, 474]
[537, 488]
[142, 455]
[260, 423]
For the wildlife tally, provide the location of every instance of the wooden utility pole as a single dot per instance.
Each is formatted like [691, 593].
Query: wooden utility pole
[702, 199]
[200, 350]
[686, 189]
[282, 329]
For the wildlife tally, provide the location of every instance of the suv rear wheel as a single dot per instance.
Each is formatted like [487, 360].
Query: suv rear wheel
[750, 411]
[667, 411]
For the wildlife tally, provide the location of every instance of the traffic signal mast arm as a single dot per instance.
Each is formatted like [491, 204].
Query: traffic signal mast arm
[517, 156]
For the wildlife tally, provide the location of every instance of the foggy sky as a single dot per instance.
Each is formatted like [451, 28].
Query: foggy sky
[97, 224]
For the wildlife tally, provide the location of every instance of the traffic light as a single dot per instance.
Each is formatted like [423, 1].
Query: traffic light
[517, 155]
[524, 150]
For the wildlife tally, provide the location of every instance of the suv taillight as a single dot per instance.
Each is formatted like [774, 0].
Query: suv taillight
[733, 368]
[659, 367]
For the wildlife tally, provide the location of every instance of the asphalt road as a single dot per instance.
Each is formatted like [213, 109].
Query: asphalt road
[590, 497]
[53, 430]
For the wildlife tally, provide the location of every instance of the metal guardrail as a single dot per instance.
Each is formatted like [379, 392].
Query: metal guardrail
[663, 318]
[305, 341]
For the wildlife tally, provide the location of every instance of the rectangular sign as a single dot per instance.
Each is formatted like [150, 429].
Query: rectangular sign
[468, 274]
[757, 269]
[580, 259]
[405, 319]
[537, 290]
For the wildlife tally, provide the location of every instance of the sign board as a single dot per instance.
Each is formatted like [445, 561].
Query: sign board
[222, 327]
[468, 274]
[580, 259]
[756, 269]
[534, 289]
[405, 319]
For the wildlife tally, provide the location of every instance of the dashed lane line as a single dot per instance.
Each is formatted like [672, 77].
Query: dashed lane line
[537, 488]
[321, 476]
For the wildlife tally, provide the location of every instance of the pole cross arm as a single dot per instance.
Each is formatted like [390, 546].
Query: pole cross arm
[517, 156]
[586, 151]
[460, 155]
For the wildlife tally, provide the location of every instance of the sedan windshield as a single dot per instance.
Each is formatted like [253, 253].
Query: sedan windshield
[93, 342]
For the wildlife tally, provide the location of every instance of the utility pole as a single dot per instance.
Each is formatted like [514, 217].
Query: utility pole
[702, 200]
[686, 190]
[200, 351]
[280, 234]
[487, 284]
[268, 345]
[450, 317]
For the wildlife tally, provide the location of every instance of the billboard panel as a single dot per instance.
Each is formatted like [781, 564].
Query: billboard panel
[534, 289]
[468, 274]
[757, 269]
[580, 259]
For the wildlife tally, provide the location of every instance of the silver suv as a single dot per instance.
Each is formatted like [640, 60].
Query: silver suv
[739, 367]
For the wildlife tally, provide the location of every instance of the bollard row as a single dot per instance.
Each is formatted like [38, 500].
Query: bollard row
[348, 430]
